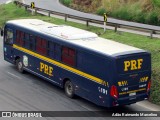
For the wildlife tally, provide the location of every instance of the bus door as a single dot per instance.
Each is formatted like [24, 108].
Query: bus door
[8, 44]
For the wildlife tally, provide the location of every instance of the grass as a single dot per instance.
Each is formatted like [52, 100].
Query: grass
[156, 3]
[66, 2]
[82, 5]
[142, 11]
[10, 11]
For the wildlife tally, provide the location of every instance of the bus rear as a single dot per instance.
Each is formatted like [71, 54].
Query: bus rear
[133, 79]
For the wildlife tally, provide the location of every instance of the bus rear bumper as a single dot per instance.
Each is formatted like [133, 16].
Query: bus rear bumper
[130, 100]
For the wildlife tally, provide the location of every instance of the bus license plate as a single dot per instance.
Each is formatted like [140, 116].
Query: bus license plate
[132, 94]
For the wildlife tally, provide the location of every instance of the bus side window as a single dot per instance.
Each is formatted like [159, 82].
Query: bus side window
[38, 44]
[41, 46]
[9, 36]
[68, 56]
[20, 38]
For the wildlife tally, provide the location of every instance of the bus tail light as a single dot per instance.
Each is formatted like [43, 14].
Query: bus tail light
[149, 86]
[114, 92]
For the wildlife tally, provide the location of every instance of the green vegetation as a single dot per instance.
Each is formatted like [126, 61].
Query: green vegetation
[101, 11]
[156, 3]
[83, 5]
[11, 11]
[143, 11]
[66, 2]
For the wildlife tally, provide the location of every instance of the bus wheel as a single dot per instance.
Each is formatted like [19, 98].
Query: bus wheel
[19, 66]
[69, 89]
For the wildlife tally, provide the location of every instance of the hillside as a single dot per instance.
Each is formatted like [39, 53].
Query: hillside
[143, 11]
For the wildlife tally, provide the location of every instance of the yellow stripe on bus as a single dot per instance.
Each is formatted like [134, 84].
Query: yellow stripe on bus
[59, 64]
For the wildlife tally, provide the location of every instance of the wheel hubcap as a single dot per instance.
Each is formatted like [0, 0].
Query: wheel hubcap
[69, 88]
[19, 65]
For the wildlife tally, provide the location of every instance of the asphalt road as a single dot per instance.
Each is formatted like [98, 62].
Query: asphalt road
[56, 6]
[3, 1]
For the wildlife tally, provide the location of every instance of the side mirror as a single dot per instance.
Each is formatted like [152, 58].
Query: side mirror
[2, 33]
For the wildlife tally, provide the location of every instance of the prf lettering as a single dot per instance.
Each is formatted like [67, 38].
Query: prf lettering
[133, 64]
[46, 69]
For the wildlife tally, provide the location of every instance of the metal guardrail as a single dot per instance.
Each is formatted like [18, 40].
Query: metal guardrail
[145, 28]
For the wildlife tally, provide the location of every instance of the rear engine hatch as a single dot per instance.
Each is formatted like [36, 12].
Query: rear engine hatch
[134, 73]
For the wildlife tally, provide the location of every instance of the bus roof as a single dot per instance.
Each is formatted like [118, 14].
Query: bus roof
[77, 36]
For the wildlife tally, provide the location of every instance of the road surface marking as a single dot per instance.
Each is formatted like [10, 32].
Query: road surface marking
[86, 108]
[14, 75]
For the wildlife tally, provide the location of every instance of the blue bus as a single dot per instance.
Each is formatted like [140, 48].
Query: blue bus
[102, 71]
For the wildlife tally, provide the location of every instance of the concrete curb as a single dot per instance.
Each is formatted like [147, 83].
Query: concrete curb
[149, 105]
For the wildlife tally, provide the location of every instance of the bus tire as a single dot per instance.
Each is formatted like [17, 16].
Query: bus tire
[19, 66]
[69, 89]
